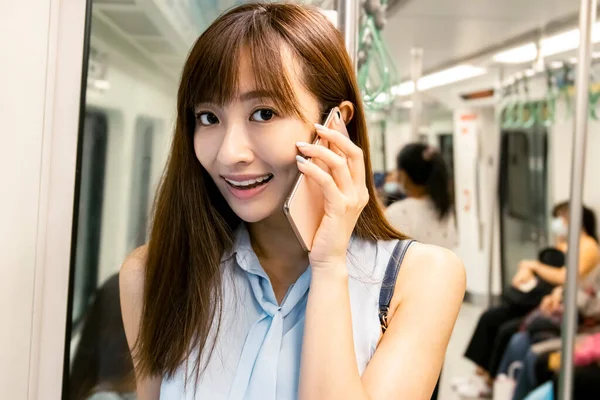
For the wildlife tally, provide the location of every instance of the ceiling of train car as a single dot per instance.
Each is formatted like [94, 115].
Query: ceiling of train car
[450, 30]
[160, 31]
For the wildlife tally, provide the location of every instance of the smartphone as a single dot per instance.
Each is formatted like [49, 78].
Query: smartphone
[304, 207]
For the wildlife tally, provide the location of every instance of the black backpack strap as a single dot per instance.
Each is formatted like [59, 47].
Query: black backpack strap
[389, 280]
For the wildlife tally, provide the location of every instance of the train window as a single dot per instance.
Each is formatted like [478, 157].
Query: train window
[135, 56]
[92, 173]
[523, 197]
[518, 175]
[446, 143]
[524, 168]
[140, 183]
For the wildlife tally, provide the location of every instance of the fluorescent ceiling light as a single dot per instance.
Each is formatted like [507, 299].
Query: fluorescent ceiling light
[559, 43]
[450, 75]
[382, 98]
[444, 77]
[517, 55]
[403, 89]
[101, 84]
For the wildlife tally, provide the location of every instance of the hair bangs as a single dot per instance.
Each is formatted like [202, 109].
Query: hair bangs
[222, 54]
[214, 75]
[268, 51]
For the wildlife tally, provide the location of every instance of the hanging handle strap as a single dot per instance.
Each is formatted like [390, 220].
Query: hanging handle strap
[389, 280]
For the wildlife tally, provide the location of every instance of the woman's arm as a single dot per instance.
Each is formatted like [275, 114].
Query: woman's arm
[131, 283]
[588, 260]
[428, 295]
[427, 298]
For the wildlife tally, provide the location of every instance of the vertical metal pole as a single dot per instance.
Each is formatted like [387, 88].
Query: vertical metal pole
[494, 164]
[587, 16]
[416, 70]
[348, 13]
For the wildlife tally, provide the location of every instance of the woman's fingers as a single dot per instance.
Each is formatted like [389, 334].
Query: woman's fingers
[336, 164]
[325, 181]
[352, 152]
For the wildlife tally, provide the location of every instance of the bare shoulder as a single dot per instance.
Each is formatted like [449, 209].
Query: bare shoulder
[430, 271]
[134, 266]
[588, 243]
[131, 282]
[136, 260]
[426, 302]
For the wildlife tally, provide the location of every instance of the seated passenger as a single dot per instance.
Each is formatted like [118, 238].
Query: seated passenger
[497, 325]
[585, 377]
[102, 368]
[536, 330]
[426, 214]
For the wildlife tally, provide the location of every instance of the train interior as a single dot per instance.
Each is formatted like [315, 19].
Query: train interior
[138, 48]
[495, 96]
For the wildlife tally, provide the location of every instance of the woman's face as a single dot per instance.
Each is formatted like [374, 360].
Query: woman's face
[249, 148]
[560, 225]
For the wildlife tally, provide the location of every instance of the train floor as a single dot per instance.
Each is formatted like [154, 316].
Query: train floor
[455, 364]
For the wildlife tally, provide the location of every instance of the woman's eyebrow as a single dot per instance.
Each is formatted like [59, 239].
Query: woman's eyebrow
[246, 96]
[256, 94]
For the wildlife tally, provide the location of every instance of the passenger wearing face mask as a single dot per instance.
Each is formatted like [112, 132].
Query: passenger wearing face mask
[393, 191]
[427, 213]
[588, 249]
[497, 325]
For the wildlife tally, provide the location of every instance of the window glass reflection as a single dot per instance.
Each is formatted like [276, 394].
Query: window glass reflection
[136, 51]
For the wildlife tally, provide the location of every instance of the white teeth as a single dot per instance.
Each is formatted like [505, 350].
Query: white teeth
[249, 182]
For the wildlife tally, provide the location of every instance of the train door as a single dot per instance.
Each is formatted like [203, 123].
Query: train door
[523, 197]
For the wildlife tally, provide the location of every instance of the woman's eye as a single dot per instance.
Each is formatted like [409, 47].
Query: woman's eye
[207, 118]
[263, 115]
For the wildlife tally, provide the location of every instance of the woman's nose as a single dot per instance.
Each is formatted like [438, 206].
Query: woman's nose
[236, 147]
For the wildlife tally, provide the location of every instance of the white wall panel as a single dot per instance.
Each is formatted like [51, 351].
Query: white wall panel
[24, 44]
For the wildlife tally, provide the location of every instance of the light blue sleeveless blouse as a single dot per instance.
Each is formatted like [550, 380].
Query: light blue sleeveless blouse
[257, 350]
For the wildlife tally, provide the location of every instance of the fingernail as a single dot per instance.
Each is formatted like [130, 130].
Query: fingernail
[319, 126]
[301, 160]
[302, 144]
[338, 116]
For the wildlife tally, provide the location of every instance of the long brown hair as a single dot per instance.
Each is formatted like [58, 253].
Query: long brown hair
[193, 225]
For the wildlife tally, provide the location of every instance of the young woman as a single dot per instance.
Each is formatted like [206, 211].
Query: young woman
[217, 305]
[426, 214]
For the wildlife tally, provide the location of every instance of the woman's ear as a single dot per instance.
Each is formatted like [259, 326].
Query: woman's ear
[347, 110]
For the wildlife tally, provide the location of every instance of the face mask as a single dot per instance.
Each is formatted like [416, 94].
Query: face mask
[559, 228]
[392, 187]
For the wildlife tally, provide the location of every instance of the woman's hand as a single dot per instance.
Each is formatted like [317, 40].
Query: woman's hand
[344, 191]
[549, 305]
[557, 294]
[527, 264]
[524, 275]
